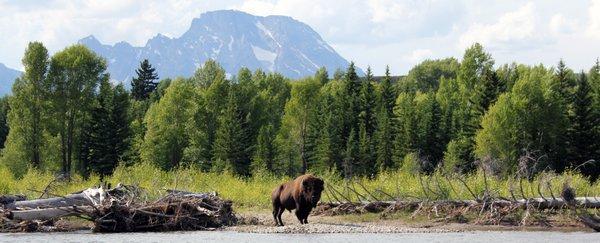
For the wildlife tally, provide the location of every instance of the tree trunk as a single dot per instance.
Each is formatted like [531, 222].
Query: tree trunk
[69, 154]
[47, 213]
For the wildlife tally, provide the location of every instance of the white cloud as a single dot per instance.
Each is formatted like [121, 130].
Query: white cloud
[559, 24]
[593, 29]
[418, 55]
[370, 32]
[387, 10]
[511, 29]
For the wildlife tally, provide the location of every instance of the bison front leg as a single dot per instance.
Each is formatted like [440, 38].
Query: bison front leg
[299, 215]
[305, 216]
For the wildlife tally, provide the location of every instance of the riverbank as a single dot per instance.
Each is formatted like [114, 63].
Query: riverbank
[401, 222]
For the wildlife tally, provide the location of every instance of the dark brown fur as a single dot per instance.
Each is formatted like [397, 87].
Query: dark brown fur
[301, 194]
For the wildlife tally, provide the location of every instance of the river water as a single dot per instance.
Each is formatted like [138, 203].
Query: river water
[230, 236]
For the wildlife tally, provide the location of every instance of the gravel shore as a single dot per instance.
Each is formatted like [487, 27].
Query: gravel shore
[322, 228]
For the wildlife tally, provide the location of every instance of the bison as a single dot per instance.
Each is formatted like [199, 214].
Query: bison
[301, 194]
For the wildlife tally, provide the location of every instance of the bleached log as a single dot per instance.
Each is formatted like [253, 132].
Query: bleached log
[88, 197]
[47, 213]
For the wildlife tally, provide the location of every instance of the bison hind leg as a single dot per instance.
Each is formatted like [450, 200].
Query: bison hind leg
[281, 210]
[275, 213]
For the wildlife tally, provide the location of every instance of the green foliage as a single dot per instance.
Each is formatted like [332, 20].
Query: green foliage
[74, 75]
[166, 137]
[527, 119]
[265, 125]
[426, 75]
[105, 136]
[4, 109]
[229, 147]
[208, 73]
[144, 85]
[583, 130]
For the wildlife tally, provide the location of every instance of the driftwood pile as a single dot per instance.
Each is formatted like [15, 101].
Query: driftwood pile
[175, 211]
[119, 210]
[485, 210]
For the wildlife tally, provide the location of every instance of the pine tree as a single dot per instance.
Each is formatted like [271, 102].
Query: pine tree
[433, 147]
[350, 155]
[229, 147]
[595, 86]
[367, 103]
[365, 159]
[4, 129]
[322, 76]
[144, 84]
[565, 82]
[387, 94]
[384, 141]
[404, 127]
[583, 137]
[264, 155]
[106, 134]
[351, 101]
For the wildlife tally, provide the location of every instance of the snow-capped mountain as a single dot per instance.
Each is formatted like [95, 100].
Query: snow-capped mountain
[7, 78]
[235, 39]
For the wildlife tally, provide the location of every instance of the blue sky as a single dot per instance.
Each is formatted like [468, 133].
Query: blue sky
[371, 32]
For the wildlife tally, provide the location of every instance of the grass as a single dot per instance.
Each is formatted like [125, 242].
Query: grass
[254, 193]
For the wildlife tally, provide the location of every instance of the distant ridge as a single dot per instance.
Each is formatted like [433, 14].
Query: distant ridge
[235, 39]
[7, 78]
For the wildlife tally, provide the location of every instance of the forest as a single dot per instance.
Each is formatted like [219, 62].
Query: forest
[65, 116]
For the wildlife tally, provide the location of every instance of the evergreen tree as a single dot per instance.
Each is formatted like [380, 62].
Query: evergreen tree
[366, 126]
[583, 133]
[338, 74]
[367, 104]
[365, 159]
[594, 81]
[404, 127]
[350, 155]
[4, 109]
[565, 82]
[264, 156]
[384, 141]
[322, 76]
[387, 93]
[229, 148]
[105, 135]
[144, 84]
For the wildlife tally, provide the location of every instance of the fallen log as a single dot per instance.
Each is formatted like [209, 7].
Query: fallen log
[176, 211]
[88, 197]
[540, 203]
[591, 221]
[48, 213]
[122, 210]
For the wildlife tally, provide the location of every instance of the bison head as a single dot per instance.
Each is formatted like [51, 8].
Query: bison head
[312, 188]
